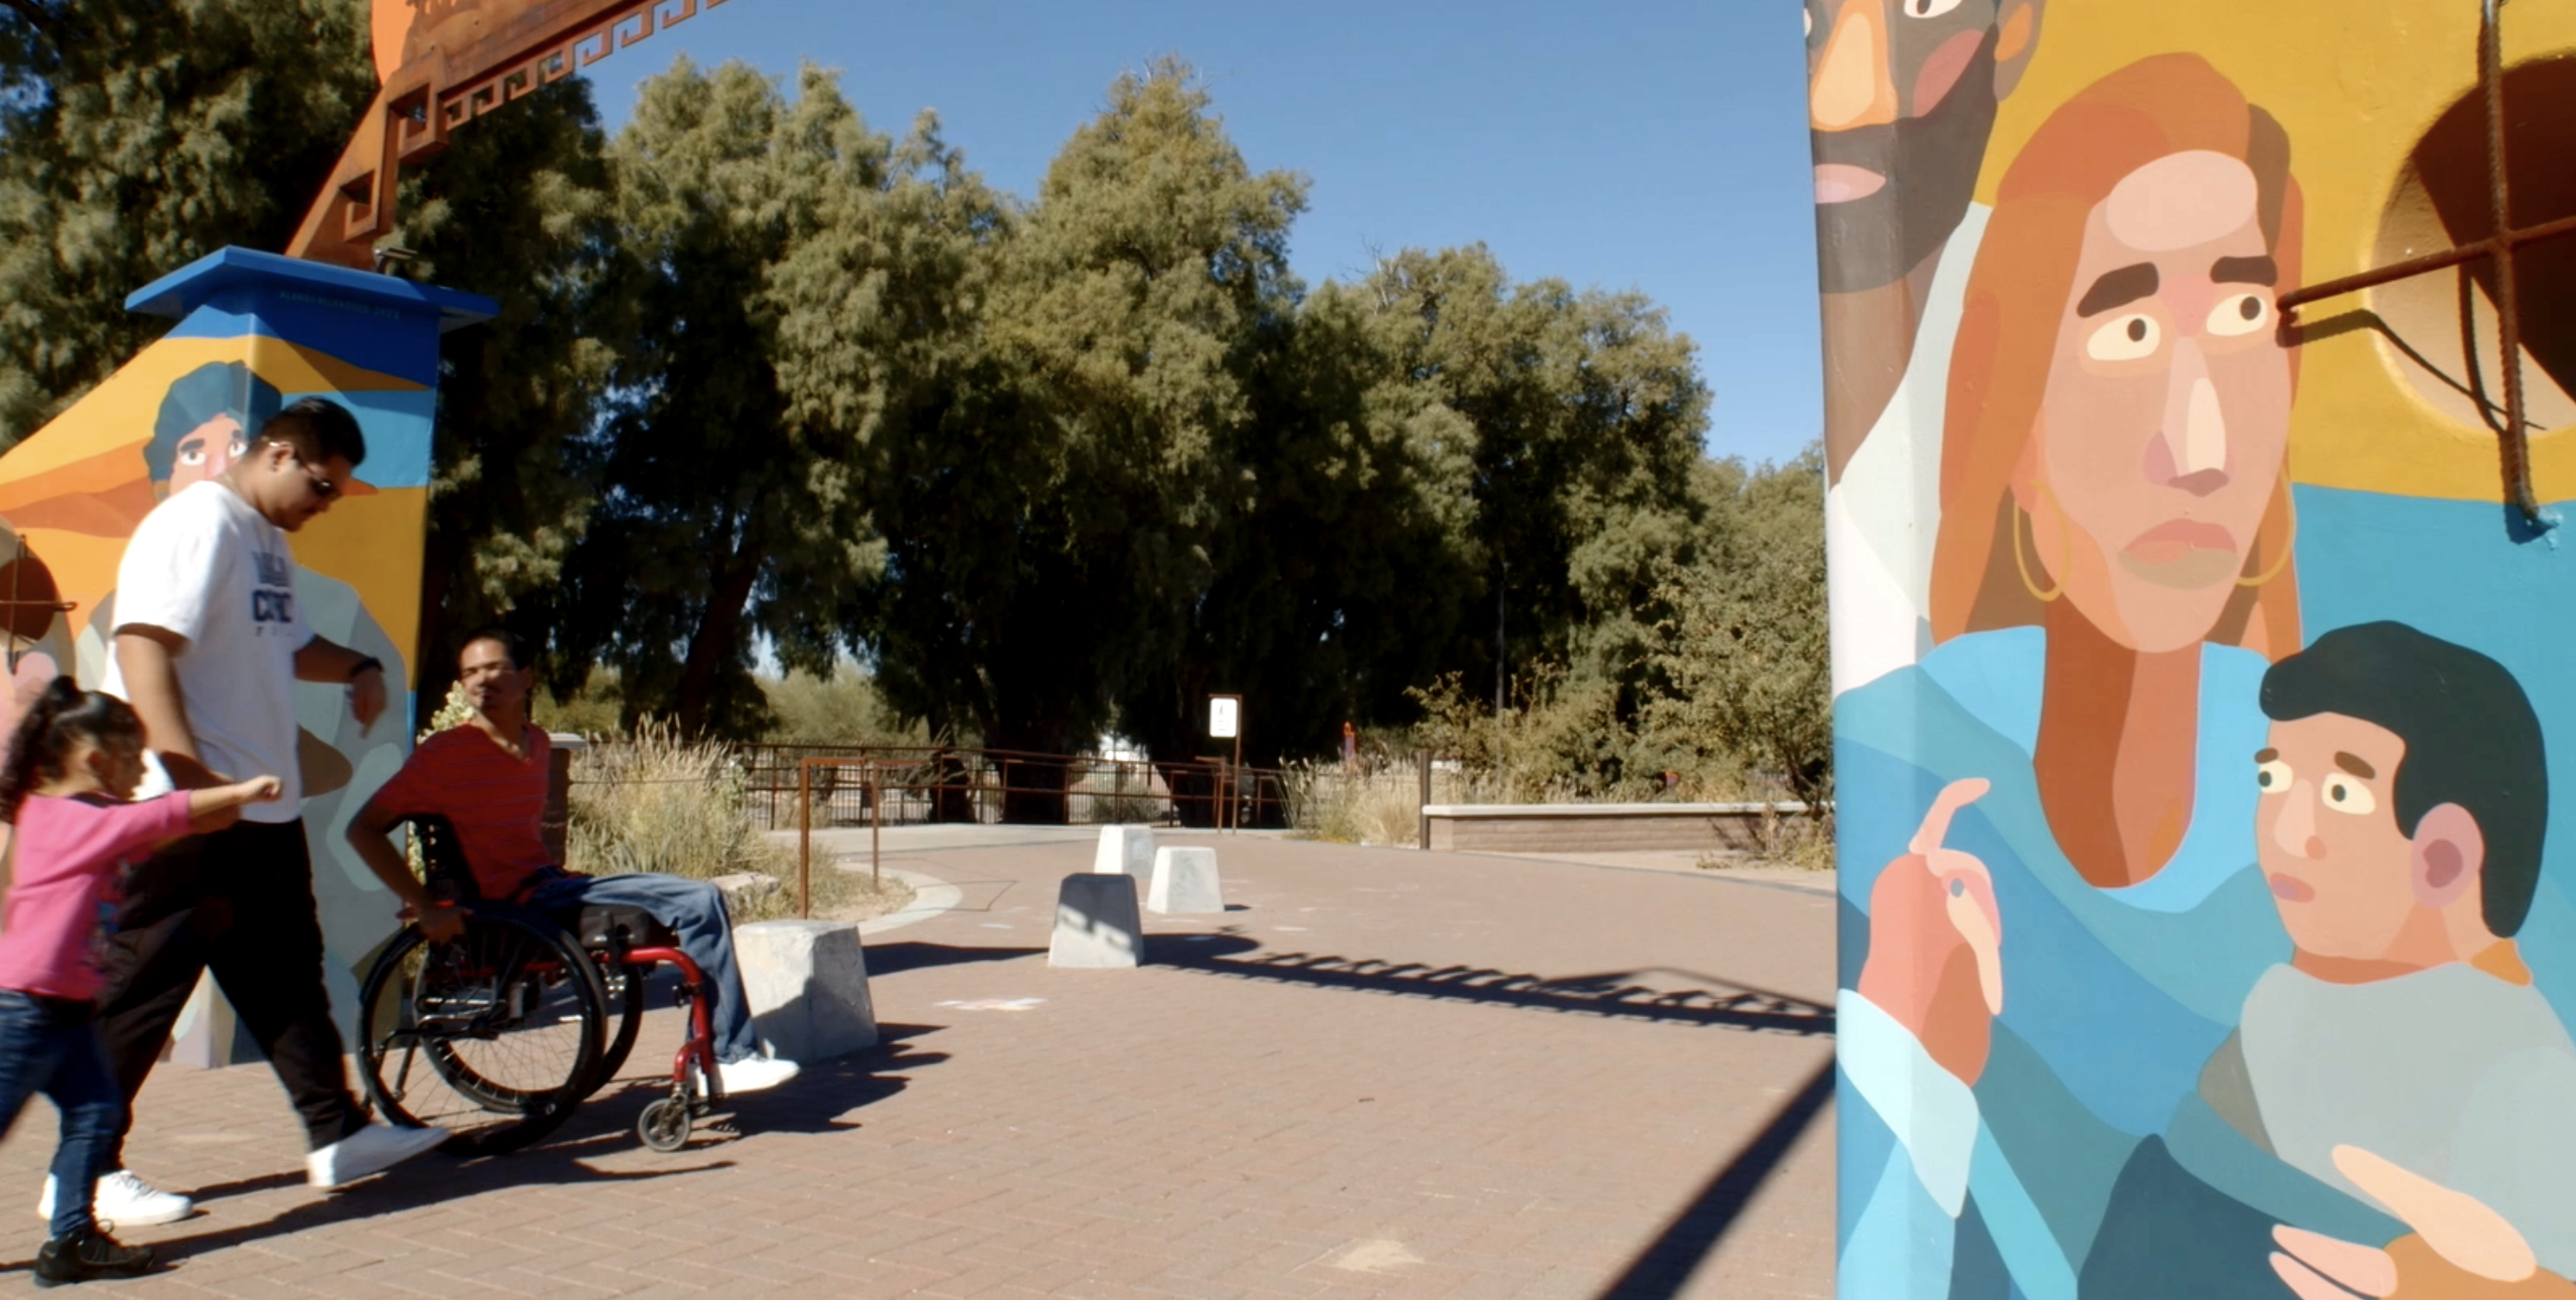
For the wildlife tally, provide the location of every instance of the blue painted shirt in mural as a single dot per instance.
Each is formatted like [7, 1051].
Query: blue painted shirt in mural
[2104, 1051]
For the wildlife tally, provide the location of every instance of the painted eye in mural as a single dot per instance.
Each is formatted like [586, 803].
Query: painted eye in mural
[2273, 777]
[2240, 313]
[1809, 17]
[2126, 338]
[2344, 794]
[1929, 8]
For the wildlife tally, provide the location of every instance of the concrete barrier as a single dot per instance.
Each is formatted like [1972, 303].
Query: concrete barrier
[807, 983]
[1096, 924]
[1185, 880]
[1124, 851]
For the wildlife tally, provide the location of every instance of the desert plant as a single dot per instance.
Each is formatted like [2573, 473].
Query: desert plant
[1376, 805]
[654, 801]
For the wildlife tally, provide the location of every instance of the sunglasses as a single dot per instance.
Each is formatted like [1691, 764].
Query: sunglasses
[322, 487]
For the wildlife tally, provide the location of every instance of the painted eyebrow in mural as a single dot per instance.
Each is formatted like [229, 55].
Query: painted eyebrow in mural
[2355, 766]
[2266, 755]
[2118, 289]
[2245, 270]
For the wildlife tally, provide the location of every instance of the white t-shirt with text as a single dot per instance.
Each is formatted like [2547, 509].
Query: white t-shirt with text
[208, 567]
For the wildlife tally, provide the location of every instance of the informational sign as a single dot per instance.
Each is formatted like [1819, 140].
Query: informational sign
[1225, 717]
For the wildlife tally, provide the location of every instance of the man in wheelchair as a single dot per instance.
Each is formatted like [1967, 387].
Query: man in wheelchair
[488, 777]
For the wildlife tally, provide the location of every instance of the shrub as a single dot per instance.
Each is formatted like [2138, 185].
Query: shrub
[653, 801]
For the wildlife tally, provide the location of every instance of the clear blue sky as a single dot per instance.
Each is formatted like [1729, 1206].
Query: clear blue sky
[1658, 145]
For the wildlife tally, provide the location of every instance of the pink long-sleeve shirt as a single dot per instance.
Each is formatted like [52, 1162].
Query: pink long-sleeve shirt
[72, 858]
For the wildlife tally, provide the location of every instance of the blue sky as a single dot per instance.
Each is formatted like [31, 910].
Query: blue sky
[1658, 145]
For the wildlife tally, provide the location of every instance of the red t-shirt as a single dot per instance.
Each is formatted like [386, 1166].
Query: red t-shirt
[73, 855]
[497, 803]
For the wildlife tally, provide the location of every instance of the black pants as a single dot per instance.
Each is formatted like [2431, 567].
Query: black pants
[238, 902]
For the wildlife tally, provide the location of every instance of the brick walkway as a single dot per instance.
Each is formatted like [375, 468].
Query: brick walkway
[1381, 1073]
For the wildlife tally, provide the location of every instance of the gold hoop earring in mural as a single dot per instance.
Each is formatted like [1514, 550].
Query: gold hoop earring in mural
[2020, 520]
[2288, 543]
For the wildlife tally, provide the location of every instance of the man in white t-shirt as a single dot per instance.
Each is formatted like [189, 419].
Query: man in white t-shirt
[210, 641]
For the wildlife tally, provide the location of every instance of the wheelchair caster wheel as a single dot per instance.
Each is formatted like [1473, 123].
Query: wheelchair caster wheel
[664, 1125]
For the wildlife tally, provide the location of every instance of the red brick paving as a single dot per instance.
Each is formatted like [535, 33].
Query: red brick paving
[1388, 1074]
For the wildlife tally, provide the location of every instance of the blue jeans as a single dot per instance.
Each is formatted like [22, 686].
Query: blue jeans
[695, 912]
[51, 1045]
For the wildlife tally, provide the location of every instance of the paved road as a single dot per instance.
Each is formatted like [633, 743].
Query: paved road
[1379, 1073]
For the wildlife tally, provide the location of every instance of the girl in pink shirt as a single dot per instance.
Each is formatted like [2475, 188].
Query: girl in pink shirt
[73, 762]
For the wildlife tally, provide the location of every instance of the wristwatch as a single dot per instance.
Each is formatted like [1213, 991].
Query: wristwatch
[364, 664]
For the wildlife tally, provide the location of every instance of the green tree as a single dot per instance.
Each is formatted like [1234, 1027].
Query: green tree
[139, 136]
[777, 281]
[1746, 649]
[1336, 578]
[1566, 426]
[520, 207]
[1050, 517]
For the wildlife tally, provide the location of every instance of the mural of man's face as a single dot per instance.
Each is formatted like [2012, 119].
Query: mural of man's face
[1901, 97]
[206, 452]
[2167, 407]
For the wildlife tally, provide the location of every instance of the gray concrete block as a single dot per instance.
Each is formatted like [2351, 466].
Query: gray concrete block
[1125, 851]
[1096, 925]
[807, 983]
[1185, 881]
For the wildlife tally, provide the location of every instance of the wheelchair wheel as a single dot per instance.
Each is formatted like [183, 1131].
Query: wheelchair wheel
[495, 1037]
[664, 1125]
[625, 999]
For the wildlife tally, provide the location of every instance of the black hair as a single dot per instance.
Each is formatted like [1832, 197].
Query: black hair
[2471, 739]
[62, 717]
[317, 429]
[216, 388]
[511, 643]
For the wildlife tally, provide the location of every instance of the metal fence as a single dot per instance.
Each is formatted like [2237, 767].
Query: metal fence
[892, 785]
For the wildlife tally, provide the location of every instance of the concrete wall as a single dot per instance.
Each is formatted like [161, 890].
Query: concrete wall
[1603, 828]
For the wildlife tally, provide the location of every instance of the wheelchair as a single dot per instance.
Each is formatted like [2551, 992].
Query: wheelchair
[498, 1035]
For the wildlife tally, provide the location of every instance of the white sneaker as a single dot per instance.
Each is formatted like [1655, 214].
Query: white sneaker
[754, 1075]
[125, 1199]
[370, 1149]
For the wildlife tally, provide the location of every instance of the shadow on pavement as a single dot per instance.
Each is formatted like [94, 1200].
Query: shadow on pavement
[426, 1180]
[1611, 994]
[816, 1101]
[1666, 1264]
[888, 958]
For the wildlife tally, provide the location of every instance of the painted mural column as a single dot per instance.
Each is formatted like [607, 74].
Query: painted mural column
[2203, 931]
[254, 331]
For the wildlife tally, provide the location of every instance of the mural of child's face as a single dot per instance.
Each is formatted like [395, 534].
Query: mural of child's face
[2167, 406]
[206, 452]
[2341, 871]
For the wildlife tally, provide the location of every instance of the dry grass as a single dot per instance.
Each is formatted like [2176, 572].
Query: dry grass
[654, 802]
[1326, 803]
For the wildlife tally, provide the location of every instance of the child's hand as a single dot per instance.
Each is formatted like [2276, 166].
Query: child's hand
[262, 789]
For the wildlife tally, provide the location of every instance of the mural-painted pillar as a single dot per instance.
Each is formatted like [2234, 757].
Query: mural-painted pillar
[2209, 923]
[255, 331]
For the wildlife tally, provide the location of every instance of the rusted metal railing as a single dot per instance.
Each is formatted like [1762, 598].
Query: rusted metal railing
[938, 783]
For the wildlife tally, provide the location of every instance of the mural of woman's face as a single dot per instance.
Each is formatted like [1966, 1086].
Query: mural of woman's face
[206, 452]
[2167, 409]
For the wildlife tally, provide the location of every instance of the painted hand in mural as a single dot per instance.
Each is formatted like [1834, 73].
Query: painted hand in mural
[367, 699]
[1936, 941]
[2460, 1249]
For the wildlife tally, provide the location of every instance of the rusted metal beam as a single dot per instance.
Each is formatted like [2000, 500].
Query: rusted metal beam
[441, 64]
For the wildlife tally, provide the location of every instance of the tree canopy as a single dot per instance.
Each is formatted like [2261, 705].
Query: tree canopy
[768, 381]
